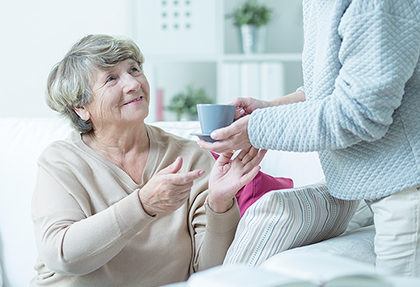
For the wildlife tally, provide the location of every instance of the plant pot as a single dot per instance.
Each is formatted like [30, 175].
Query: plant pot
[252, 39]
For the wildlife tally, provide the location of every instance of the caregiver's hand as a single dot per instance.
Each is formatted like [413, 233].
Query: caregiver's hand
[228, 176]
[245, 106]
[233, 137]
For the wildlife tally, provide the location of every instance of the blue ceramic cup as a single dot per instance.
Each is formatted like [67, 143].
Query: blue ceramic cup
[214, 116]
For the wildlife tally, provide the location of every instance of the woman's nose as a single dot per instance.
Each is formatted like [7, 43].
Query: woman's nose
[130, 83]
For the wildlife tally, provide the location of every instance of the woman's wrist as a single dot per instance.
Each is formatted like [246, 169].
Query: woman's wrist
[219, 205]
[298, 96]
[145, 206]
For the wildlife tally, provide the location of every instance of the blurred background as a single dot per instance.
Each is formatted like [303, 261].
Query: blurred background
[195, 50]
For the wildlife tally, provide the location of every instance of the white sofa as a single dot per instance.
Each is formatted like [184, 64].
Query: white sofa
[22, 140]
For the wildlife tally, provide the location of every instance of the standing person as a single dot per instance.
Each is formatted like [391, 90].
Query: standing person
[359, 107]
[119, 202]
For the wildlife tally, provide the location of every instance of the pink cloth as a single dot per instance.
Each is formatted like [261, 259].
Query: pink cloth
[260, 185]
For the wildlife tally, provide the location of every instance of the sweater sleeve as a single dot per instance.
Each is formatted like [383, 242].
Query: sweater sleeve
[211, 232]
[378, 55]
[70, 242]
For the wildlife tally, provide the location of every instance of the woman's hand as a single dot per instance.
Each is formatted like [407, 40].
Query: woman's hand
[236, 135]
[233, 137]
[167, 190]
[229, 176]
[245, 106]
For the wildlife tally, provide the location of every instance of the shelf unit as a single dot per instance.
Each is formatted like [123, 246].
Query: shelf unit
[192, 42]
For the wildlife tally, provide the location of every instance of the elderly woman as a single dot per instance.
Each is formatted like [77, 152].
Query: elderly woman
[122, 203]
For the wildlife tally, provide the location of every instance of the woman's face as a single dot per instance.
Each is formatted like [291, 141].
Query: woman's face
[120, 96]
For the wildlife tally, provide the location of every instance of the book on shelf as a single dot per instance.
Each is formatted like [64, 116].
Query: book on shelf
[159, 100]
[230, 83]
[250, 80]
[261, 80]
[272, 81]
[289, 270]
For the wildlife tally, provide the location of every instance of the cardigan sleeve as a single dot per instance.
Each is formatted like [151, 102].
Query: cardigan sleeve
[378, 55]
[211, 232]
[71, 242]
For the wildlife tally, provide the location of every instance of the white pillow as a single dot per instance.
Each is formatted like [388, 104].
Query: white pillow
[285, 219]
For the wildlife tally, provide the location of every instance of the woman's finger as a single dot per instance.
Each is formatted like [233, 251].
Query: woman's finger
[219, 146]
[224, 158]
[242, 154]
[252, 152]
[185, 178]
[239, 112]
[173, 167]
[247, 177]
[224, 133]
[241, 103]
[256, 160]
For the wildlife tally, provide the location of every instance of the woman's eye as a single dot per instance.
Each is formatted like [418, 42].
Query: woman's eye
[135, 70]
[110, 79]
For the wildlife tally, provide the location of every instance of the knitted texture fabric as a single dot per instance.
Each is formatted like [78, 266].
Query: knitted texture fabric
[362, 85]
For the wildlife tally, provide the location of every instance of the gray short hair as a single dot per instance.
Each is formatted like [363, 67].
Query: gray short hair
[69, 82]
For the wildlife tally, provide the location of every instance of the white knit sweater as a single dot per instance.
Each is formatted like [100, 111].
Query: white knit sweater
[362, 85]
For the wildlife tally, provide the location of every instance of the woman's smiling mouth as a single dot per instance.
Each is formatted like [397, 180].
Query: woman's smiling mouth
[135, 100]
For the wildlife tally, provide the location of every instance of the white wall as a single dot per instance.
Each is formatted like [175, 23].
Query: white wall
[35, 34]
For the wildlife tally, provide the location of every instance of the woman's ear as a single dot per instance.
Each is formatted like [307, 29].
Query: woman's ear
[82, 113]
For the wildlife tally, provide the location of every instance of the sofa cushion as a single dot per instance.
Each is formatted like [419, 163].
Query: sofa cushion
[24, 140]
[286, 219]
[357, 244]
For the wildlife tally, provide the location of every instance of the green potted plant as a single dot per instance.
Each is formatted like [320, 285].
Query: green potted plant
[184, 104]
[250, 18]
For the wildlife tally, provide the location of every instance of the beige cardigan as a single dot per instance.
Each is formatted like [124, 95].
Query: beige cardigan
[91, 229]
